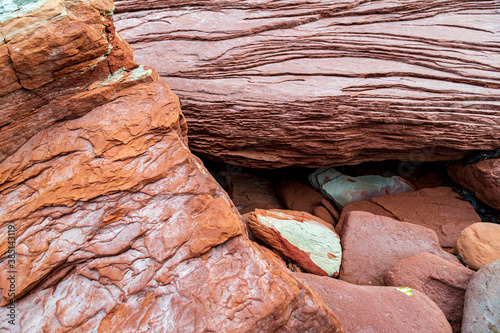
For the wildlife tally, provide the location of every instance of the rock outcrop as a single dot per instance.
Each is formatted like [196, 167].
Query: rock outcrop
[322, 83]
[113, 224]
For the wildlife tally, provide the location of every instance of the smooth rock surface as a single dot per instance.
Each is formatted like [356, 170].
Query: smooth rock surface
[444, 282]
[482, 178]
[479, 244]
[378, 309]
[312, 243]
[439, 209]
[118, 226]
[325, 83]
[482, 301]
[372, 244]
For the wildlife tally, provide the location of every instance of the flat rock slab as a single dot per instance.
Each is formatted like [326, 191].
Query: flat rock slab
[444, 282]
[439, 209]
[312, 243]
[378, 309]
[372, 244]
[323, 83]
[482, 178]
[482, 301]
[479, 244]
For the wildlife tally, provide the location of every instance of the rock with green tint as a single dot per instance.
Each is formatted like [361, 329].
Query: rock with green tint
[344, 189]
[310, 242]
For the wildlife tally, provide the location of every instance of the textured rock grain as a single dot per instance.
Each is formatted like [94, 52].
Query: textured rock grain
[321, 83]
[119, 227]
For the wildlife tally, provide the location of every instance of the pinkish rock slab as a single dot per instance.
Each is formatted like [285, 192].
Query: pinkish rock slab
[439, 209]
[379, 309]
[372, 244]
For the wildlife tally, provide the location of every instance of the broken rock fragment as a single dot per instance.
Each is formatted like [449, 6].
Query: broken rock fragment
[344, 189]
[302, 237]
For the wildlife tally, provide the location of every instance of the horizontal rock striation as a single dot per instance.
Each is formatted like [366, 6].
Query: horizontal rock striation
[116, 226]
[322, 83]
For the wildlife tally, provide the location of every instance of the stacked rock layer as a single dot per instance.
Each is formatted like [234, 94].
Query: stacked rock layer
[117, 226]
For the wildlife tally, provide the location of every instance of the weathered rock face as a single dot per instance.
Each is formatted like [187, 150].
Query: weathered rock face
[439, 209]
[479, 244]
[372, 244]
[444, 282]
[482, 301]
[312, 243]
[378, 309]
[323, 83]
[483, 178]
[118, 226]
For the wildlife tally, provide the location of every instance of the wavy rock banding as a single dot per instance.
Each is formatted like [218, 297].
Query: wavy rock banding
[323, 83]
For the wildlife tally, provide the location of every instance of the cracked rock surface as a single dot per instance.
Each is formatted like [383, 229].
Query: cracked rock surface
[118, 227]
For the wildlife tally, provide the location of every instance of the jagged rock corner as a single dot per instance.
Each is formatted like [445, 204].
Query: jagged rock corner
[118, 226]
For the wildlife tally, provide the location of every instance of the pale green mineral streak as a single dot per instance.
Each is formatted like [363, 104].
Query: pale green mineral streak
[309, 237]
[136, 74]
[405, 290]
[13, 8]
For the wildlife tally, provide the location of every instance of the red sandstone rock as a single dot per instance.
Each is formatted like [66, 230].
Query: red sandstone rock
[249, 192]
[479, 244]
[324, 214]
[444, 282]
[119, 227]
[482, 178]
[333, 212]
[437, 208]
[372, 244]
[297, 195]
[323, 83]
[309, 241]
[378, 309]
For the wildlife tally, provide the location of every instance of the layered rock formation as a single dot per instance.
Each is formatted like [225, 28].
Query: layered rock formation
[323, 83]
[115, 225]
